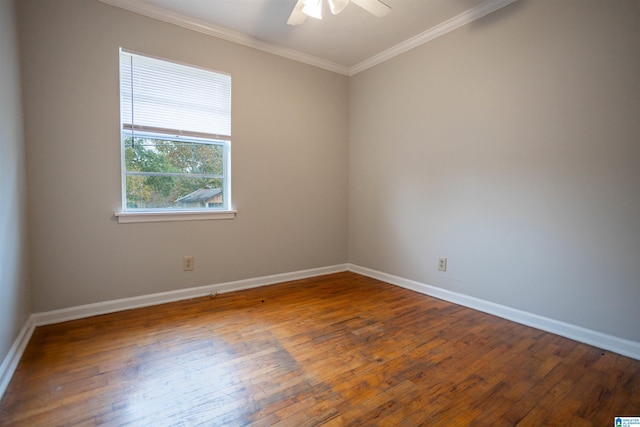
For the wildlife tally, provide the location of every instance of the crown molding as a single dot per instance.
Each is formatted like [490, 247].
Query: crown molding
[152, 11]
[441, 29]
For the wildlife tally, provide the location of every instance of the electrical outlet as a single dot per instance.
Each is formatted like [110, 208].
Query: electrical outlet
[442, 264]
[187, 263]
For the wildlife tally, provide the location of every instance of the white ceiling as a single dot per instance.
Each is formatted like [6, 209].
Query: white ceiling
[346, 43]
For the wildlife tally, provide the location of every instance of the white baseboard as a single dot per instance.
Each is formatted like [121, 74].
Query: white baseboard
[88, 310]
[598, 339]
[11, 360]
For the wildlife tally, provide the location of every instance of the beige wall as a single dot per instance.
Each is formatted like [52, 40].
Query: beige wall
[289, 161]
[15, 297]
[510, 146]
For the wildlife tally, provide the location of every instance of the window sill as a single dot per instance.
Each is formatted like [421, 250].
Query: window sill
[159, 216]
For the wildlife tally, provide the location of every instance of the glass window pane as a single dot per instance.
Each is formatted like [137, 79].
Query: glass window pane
[161, 192]
[157, 155]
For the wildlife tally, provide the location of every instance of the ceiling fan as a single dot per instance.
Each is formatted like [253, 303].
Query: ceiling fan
[314, 8]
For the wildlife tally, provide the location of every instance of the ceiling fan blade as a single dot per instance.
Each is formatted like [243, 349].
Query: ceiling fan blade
[297, 17]
[336, 6]
[313, 8]
[374, 7]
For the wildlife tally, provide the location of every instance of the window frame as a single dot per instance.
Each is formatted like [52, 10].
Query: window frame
[134, 215]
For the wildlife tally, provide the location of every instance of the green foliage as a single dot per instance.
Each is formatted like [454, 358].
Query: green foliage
[166, 157]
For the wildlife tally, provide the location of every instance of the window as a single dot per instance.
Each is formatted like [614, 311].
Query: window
[176, 134]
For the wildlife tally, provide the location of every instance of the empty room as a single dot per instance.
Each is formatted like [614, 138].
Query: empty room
[319, 212]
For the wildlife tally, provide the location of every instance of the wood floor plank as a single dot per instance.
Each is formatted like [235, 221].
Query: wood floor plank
[335, 350]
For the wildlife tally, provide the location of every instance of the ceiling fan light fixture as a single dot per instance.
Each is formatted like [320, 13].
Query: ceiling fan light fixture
[313, 8]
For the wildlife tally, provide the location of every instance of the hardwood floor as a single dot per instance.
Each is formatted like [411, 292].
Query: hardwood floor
[336, 350]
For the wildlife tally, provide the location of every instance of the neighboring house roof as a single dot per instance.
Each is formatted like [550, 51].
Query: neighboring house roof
[200, 195]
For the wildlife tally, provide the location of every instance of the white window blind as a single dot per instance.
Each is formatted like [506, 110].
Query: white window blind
[165, 97]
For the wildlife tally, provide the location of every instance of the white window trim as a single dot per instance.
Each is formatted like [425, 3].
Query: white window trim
[129, 217]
